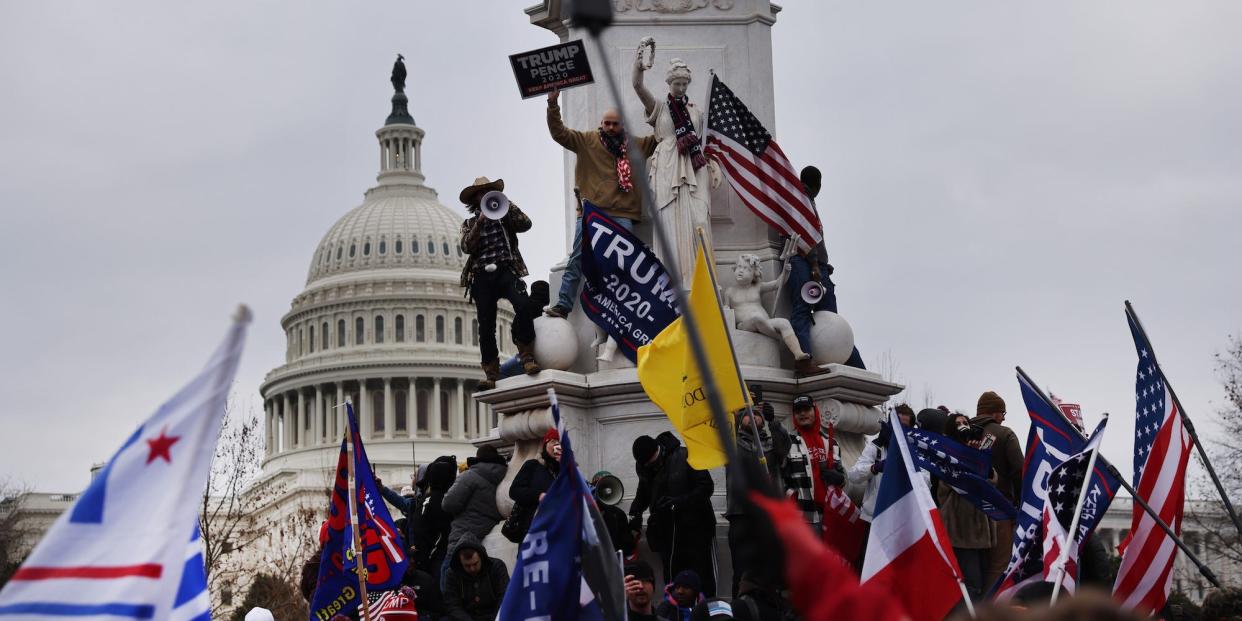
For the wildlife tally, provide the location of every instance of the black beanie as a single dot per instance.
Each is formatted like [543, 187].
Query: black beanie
[641, 570]
[645, 447]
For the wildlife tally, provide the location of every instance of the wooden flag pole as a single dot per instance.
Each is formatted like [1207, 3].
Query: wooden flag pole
[1113, 472]
[359, 564]
[1190, 427]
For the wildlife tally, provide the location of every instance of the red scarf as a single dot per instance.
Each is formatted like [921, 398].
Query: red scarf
[616, 146]
[817, 453]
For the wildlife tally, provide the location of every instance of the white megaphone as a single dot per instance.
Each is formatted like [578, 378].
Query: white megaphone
[812, 293]
[608, 488]
[494, 205]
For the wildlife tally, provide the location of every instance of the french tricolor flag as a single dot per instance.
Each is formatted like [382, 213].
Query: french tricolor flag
[908, 550]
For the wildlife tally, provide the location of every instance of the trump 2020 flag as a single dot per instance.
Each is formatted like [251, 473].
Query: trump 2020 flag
[129, 547]
[908, 550]
[625, 288]
[382, 553]
[567, 568]
[1051, 441]
[963, 468]
[1065, 488]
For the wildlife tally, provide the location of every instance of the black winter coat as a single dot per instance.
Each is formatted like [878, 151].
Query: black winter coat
[533, 479]
[474, 598]
[690, 491]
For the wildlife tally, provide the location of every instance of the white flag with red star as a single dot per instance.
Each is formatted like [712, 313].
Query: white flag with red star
[129, 547]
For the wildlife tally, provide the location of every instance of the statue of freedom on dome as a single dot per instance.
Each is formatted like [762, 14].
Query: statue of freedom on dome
[398, 74]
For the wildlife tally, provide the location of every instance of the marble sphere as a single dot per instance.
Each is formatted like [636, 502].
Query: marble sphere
[832, 338]
[556, 344]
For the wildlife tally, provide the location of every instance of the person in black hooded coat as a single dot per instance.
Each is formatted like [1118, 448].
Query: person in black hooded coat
[682, 526]
[536, 476]
[427, 523]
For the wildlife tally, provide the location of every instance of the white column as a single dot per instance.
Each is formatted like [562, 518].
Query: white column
[364, 409]
[434, 422]
[267, 428]
[411, 414]
[290, 424]
[458, 419]
[301, 418]
[319, 416]
[338, 414]
[390, 412]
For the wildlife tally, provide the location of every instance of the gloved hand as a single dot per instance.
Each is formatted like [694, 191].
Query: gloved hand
[877, 467]
[769, 412]
[636, 523]
[664, 503]
[834, 476]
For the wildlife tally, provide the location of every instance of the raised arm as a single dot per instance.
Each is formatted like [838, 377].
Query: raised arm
[564, 136]
[777, 282]
[644, 95]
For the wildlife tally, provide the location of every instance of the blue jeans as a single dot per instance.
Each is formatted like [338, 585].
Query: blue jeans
[511, 367]
[573, 266]
[800, 315]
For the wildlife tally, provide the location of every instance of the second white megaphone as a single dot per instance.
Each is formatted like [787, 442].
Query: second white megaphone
[494, 205]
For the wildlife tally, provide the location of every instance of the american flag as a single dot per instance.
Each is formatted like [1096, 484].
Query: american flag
[1065, 485]
[757, 168]
[1161, 452]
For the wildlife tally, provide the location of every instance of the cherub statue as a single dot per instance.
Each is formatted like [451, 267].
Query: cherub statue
[745, 298]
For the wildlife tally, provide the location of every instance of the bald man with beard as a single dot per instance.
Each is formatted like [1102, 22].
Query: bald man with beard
[602, 175]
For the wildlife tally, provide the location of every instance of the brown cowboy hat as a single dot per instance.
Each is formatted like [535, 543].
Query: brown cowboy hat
[481, 184]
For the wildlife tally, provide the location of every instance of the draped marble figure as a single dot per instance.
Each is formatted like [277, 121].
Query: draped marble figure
[678, 171]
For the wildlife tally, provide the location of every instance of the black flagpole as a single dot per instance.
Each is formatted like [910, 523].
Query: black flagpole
[595, 16]
[1190, 427]
[1112, 471]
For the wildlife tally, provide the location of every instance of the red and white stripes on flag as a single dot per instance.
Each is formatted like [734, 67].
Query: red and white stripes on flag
[1161, 452]
[757, 168]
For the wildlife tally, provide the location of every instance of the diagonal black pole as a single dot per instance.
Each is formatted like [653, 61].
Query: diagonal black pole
[719, 418]
[1112, 471]
[1190, 427]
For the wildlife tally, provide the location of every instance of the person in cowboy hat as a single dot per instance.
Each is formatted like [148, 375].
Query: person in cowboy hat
[494, 271]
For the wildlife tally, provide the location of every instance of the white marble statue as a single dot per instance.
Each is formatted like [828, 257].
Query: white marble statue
[678, 171]
[745, 298]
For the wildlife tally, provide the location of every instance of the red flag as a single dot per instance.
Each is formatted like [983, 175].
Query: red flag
[810, 567]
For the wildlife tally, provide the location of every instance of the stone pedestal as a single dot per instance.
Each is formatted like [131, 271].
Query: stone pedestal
[605, 410]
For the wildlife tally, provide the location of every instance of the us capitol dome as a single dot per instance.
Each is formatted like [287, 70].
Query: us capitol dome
[383, 322]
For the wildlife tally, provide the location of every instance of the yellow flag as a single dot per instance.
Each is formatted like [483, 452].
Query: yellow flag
[672, 380]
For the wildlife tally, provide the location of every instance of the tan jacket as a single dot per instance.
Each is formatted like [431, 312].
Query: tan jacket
[1006, 457]
[595, 174]
[968, 527]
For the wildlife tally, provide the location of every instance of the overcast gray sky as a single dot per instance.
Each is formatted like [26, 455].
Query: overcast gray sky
[998, 179]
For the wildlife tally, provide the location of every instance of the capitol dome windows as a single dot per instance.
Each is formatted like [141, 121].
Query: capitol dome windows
[399, 325]
[414, 246]
[359, 330]
[324, 336]
[340, 332]
[352, 249]
[383, 246]
[312, 339]
[366, 249]
[377, 411]
[397, 248]
[419, 329]
[431, 246]
[439, 328]
[474, 332]
[379, 328]
[339, 250]
[457, 330]
[444, 245]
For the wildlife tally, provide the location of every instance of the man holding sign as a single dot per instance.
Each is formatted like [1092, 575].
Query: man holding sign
[602, 176]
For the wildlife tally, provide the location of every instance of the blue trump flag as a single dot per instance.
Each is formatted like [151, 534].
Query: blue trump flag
[625, 288]
[382, 553]
[567, 568]
[1051, 441]
[962, 468]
